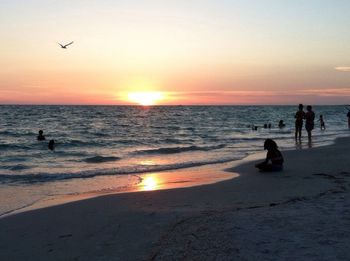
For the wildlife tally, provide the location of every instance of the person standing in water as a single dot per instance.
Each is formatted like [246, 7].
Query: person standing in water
[323, 125]
[299, 117]
[309, 123]
[348, 117]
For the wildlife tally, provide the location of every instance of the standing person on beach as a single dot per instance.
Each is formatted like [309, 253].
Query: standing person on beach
[309, 123]
[299, 117]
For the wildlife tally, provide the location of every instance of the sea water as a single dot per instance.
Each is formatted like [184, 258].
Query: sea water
[95, 143]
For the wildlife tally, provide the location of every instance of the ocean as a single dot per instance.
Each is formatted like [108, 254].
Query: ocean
[117, 143]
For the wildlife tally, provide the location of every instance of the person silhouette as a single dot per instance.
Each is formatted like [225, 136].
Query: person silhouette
[281, 124]
[299, 117]
[322, 123]
[51, 145]
[273, 155]
[348, 115]
[309, 121]
[41, 135]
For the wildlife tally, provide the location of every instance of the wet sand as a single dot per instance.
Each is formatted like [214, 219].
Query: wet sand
[301, 213]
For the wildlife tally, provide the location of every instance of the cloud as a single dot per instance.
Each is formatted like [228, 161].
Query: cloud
[335, 92]
[311, 96]
[343, 68]
[301, 92]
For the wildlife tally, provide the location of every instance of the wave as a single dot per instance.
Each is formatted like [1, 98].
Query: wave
[6, 132]
[129, 170]
[173, 150]
[79, 143]
[18, 134]
[16, 147]
[18, 167]
[101, 159]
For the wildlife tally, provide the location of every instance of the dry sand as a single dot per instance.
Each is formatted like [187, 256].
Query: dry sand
[302, 213]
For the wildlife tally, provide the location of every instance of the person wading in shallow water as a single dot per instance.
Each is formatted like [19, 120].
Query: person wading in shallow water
[309, 123]
[273, 155]
[299, 117]
[322, 123]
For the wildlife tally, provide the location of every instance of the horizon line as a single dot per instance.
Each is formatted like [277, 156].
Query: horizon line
[162, 105]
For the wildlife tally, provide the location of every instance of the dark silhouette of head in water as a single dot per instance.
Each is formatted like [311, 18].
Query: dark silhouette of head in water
[281, 124]
[51, 145]
[41, 135]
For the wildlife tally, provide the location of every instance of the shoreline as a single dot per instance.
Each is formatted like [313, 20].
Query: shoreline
[152, 181]
[144, 225]
[169, 179]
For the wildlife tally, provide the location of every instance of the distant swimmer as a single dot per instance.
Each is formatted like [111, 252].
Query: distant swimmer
[41, 135]
[254, 128]
[51, 145]
[281, 124]
[65, 46]
[269, 126]
[274, 159]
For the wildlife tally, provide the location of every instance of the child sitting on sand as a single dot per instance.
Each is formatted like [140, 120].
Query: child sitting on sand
[273, 155]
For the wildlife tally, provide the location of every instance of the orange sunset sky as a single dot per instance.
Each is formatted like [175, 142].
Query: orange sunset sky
[175, 52]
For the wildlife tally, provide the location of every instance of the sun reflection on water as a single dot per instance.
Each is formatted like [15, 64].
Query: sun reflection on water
[147, 162]
[149, 183]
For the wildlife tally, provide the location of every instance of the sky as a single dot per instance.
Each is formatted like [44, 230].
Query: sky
[189, 51]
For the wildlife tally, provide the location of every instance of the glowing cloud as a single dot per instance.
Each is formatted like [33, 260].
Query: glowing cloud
[343, 68]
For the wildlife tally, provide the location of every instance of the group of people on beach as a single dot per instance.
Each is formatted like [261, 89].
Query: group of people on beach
[274, 159]
[309, 117]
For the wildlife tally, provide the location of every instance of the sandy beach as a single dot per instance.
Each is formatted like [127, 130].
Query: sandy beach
[302, 213]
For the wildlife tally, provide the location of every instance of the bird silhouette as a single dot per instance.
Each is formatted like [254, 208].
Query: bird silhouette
[65, 46]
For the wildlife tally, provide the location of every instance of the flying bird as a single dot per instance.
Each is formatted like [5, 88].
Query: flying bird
[65, 46]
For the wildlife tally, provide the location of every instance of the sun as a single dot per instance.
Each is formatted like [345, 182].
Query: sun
[145, 98]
